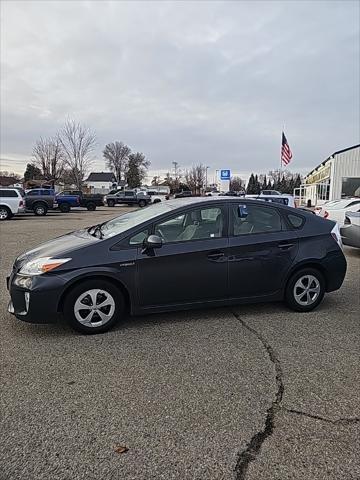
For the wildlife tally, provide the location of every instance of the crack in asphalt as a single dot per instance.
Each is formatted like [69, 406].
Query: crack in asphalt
[253, 447]
[338, 421]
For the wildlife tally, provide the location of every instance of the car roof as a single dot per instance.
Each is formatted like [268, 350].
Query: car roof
[188, 201]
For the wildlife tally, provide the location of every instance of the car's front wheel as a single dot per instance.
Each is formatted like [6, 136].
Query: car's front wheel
[111, 203]
[142, 203]
[94, 306]
[305, 290]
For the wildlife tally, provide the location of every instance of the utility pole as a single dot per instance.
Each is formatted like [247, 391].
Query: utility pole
[206, 178]
[176, 173]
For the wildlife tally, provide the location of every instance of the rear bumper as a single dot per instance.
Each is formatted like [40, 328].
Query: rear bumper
[335, 267]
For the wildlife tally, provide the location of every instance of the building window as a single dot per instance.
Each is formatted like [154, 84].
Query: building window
[350, 187]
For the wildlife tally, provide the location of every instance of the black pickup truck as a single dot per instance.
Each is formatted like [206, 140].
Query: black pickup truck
[128, 197]
[75, 198]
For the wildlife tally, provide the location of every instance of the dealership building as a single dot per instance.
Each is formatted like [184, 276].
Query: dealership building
[336, 177]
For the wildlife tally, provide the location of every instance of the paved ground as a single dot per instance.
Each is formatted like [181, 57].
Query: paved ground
[255, 392]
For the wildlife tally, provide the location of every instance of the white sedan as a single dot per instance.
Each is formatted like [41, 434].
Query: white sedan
[336, 209]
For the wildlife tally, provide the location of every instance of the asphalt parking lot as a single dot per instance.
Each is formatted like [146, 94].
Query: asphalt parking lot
[251, 392]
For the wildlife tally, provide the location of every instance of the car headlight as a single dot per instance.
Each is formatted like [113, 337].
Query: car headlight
[42, 265]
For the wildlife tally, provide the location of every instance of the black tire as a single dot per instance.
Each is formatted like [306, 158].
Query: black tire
[5, 213]
[64, 207]
[91, 207]
[111, 203]
[81, 289]
[293, 300]
[40, 209]
[142, 203]
[157, 200]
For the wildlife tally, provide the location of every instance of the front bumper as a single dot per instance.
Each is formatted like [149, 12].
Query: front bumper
[38, 304]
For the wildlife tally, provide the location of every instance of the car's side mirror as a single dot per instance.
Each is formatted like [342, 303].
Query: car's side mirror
[243, 211]
[153, 241]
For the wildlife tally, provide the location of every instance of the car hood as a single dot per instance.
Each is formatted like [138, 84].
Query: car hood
[57, 247]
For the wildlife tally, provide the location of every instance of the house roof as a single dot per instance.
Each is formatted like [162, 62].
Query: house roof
[330, 157]
[101, 177]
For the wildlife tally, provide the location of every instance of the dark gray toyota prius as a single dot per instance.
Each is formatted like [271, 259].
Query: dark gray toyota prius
[179, 254]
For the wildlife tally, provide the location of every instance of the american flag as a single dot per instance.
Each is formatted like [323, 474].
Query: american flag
[286, 153]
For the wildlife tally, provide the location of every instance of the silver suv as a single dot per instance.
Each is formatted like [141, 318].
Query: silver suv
[11, 202]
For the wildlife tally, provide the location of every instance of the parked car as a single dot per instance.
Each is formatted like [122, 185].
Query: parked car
[75, 198]
[183, 194]
[128, 197]
[270, 192]
[282, 199]
[157, 196]
[350, 231]
[216, 251]
[40, 200]
[336, 209]
[12, 202]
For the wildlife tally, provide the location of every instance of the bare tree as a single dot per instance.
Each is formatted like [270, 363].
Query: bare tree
[78, 143]
[237, 184]
[195, 178]
[116, 155]
[49, 157]
[155, 181]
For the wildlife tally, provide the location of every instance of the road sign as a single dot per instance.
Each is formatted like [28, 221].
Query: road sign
[225, 174]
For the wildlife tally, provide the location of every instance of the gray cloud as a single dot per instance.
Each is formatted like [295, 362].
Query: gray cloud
[203, 81]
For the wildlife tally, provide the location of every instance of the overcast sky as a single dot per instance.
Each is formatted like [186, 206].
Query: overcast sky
[209, 82]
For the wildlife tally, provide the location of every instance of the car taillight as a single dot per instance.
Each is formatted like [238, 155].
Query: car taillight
[335, 233]
[326, 214]
[21, 203]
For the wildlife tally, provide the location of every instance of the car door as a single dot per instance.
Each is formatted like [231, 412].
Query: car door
[191, 265]
[262, 249]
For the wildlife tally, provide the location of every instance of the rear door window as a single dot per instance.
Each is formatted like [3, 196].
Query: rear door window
[250, 219]
[8, 193]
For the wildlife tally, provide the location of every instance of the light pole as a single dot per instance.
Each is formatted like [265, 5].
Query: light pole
[206, 178]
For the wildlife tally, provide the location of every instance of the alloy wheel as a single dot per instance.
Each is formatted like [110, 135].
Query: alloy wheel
[3, 214]
[306, 290]
[94, 308]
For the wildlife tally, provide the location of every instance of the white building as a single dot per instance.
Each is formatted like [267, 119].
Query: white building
[336, 177]
[101, 182]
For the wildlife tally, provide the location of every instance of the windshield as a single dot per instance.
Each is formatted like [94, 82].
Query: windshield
[132, 219]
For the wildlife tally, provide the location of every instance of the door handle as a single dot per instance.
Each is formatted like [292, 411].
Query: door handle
[285, 246]
[216, 255]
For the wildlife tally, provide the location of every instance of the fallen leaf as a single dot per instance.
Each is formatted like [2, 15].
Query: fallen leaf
[121, 448]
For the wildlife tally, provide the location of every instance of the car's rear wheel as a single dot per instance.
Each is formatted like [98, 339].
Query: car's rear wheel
[40, 209]
[91, 207]
[111, 203]
[64, 207]
[5, 213]
[94, 306]
[305, 290]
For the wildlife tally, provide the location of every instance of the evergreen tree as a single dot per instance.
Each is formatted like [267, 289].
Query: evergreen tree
[250, 185]
[264, 184]
[32, 172]
[256, 185]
